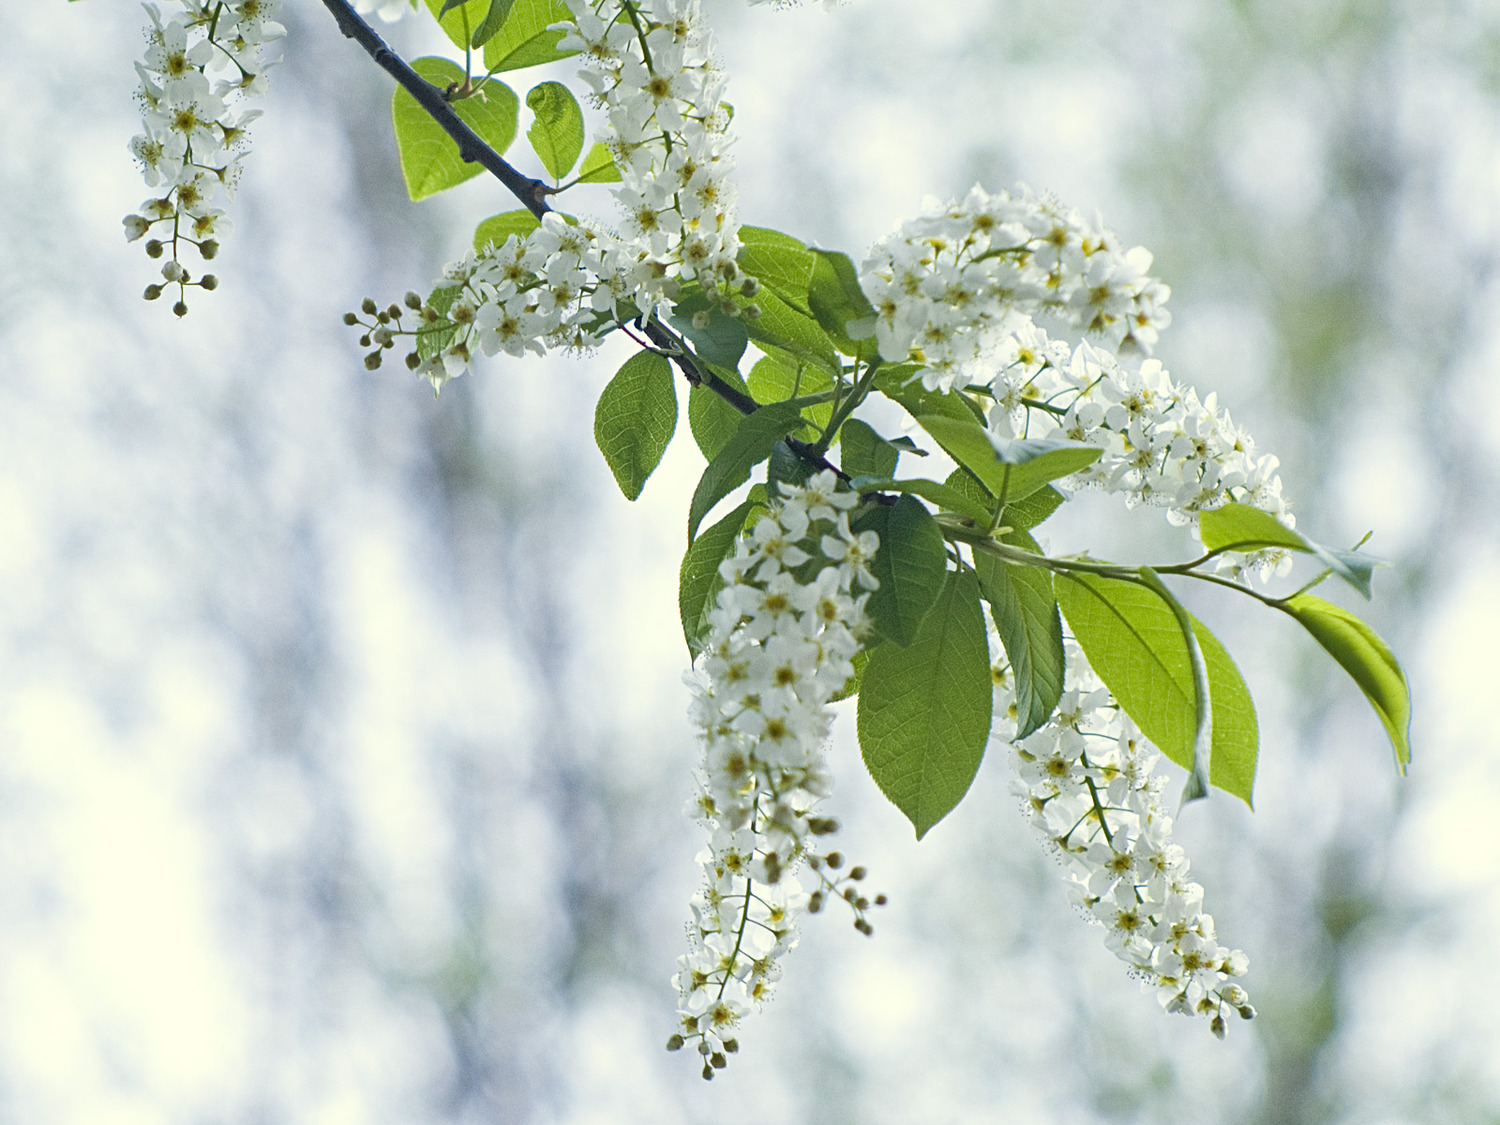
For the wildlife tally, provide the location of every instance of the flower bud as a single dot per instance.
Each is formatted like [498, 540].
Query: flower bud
[675, 1043]
[154, 248]
[136, 227]
[152, 292]
[372, 361]
[209, 249]
[700, 319]
[835, 860]
[857, 873]
[209, 281]
[368, 306]
[413, 360]
[413, 301]
[350, 318]
[180, 308]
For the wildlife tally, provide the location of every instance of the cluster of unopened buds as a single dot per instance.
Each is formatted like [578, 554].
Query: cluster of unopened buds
[194, 135]
[784, 633]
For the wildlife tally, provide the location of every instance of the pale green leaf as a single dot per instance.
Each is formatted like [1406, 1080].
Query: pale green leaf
[556, 134]
[713, 421]
[430, 161]
[598, 167]
[497, 228]
[1023, 606]
[523, 40]
[1009, 469]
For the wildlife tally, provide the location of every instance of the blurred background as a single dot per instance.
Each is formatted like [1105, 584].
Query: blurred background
[342, 739]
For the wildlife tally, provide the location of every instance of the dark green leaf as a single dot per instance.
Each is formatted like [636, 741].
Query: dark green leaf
[722, 341]
[900, 384]
[523, 40]
[1024, 608]
[713, 421]
[910, 565]
[1134, 643]
[429, 157]
[1029, 511]
[840, 305]
[635, 419]
[556, 135]
[1367, 658]
[924, 710]
[497, 228]
[1011, 469]
[698, 580]
[866, 453]
[860, 661]
[942, 495]
[786, 467]
[751, 444]
[779, 325]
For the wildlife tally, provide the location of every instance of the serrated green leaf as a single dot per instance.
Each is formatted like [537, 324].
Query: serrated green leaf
[1011, 469]
[635, 419]
[433, 338]
[1368, 659]
[785, 467]
[910, 564]
[429, 157]
[497, 228]
[751, 444]
[779, 325]
[1240, 527]
[523, 40]
[1029, 511]
[899, 383]
[712, 420]
[778, 261]
[864, 453]
[1134, 643]
[942, 495]
[722, 341]
[493, 21]
[556, 134]
[840, 305]
[924, 710]
[698, 579]
[861, 661]
[771, 380]
[1023, 606]
[598, 167]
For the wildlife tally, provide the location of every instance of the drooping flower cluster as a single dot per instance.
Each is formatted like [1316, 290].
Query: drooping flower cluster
[194, 131]
[785, 630]
[1086, 782]
[950, 286]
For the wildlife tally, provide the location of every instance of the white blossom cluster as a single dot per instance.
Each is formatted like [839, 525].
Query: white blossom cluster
[783, 635]
[194, 131]
[951, 285]
[1086, 782]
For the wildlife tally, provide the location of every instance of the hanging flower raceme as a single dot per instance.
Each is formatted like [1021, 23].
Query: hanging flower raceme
[786, 628]
[1085, 779]
[194, 131]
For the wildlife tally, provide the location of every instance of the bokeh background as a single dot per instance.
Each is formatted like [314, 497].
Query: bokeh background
[342, 740]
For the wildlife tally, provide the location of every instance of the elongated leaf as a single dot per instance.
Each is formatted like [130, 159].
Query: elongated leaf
[1023, 606]
[429, 157]
[698, 579]
[779, 325]
[780, 262]
[556, 135]
[523, 40]
[635, 419]
[840, 305]
[1240, 527]
[493, 21]
[1134, 643]
[865, 453]
[910, 565]
[1368, 659]
[1013, 470]
[751, 444]
[771, 380]
[458, 18]
[598, 167]
[497, 228]
[1020, 515]
[899, 383]
[713, 420]
[954, 500]
[924, 710]
[1202, 749]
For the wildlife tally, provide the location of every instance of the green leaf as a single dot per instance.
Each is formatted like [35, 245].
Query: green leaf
[493, 21]
[1202, 750]
[1012, 469]
[865, 453]
[429, 157]
[840, 305]
[713, 421]
[851, 687]
[458, 18]
[433, 338]
[497, 228]
[778, 261]
[523, 40]
[910, 564]
[635, 419]
[899, 384]
[1024, 608]
[1239, 527]
[924, 710]
[785, 467]
[1367, 658]
[598, 167]
[771, 380]
[782, 326]
[698, 580]
[556, 135]
[1031, 510]
[722, 341]
[942, 495]
[1134, 643]
[751, 444]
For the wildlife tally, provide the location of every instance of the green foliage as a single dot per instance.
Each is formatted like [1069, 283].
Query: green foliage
[698, 580]
[751, 444]
[1135, 644]
[865, 453]
[780, 262]
[493, 21]
[429, 157]
[556, 135]
[781, 326]
[910, 565]
[1367, 658]
[772, 380]
[1239, 527]
[839, 304]
[900, 384]
[458, 18]
[523, 40]
[433, 338]
[713, 421]
[924, 710]
[1009, 469]
[598, 167]
[943, 495]
[1032, 509]
[721, 341]
[635, 419]
[497, 228]
[1023, 605]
